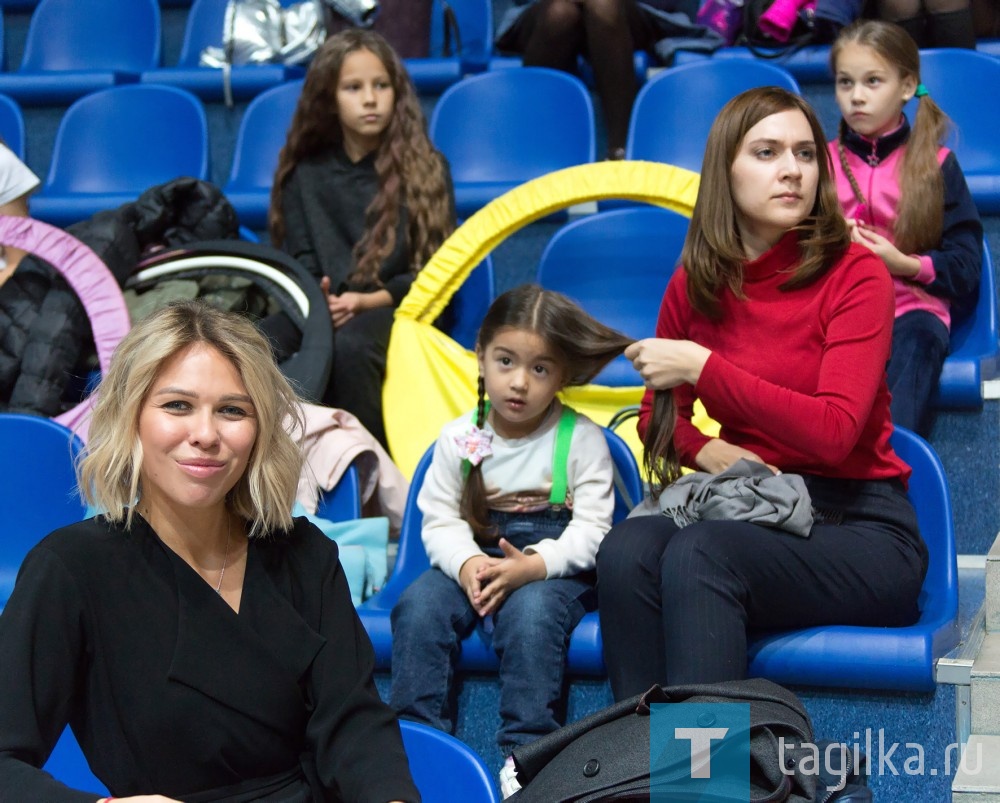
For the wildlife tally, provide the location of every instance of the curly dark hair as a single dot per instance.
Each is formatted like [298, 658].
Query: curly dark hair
[410, 171]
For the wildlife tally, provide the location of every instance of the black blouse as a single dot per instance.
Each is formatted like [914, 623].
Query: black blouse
[169, 691]
[324, 202]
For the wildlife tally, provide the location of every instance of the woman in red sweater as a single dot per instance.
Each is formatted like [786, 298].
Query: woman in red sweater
[782, 328]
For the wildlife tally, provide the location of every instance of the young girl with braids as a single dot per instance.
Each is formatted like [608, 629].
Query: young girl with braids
[362, 199]
[516, 500]
[906, 199]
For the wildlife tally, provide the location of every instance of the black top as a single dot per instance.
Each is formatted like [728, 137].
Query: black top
[169, 691]
[324, 202]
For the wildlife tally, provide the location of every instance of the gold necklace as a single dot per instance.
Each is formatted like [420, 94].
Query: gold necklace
[225, 560]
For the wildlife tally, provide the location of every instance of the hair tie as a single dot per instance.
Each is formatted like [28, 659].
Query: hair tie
[921, 91]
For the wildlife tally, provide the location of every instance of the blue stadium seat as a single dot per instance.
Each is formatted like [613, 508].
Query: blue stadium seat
[12, 126]
[343, 501]
[975, 348]
[262, 134]
[808, 65]
[38, 493]
[955, 78]
[451, 57]
[204, 29]
[616, 265]
[445, 769]
[68, 764]
[584, 658]
[465, 312]
[895, 658]
[673, 112]
[73, 48]
[500, 129]
[114, 144]
[640, 61]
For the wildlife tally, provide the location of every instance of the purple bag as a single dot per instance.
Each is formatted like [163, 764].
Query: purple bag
[725, 17]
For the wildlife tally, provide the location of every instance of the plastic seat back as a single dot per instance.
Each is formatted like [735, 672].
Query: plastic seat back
[114, 144]
[955, 78]
[39, 491]
[343, 501]
[465, 312]
[674, 111]
[262, 135]
[899, 658]
[12, 126]
[500, 129]
[974, 353]
[616, 265]
[119, 35]
[475, 26]
[445, 769]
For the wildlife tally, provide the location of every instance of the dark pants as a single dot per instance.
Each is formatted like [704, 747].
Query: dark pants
[920, 343]
[530, 634]
[359, 356]
[676, 604]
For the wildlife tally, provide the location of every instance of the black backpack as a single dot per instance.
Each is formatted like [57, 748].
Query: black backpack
[606, 756]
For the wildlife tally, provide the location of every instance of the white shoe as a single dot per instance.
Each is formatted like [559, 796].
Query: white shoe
[508, 778]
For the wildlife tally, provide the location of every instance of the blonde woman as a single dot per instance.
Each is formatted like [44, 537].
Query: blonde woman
[200, 641]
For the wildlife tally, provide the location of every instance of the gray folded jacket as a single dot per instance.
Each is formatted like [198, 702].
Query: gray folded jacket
[746, 491]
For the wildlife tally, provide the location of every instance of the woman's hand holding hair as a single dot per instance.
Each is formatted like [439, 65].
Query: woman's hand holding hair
[502, 577]
[717, 455]
[666, 363]
[898, 263]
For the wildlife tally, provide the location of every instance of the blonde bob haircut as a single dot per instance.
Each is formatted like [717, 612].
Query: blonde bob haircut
[713, 253]
[109, 472]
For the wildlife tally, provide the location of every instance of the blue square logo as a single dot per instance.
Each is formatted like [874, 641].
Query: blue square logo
[699, 752]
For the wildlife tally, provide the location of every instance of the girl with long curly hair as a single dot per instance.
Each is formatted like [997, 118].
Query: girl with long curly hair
[362, 199]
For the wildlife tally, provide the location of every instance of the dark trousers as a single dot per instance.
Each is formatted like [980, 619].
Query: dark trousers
[676, 604]
[359, 356]
[920, 343]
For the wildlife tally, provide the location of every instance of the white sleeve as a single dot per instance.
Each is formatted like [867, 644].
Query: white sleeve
[448, 539]
[15, 177]
[590, 477]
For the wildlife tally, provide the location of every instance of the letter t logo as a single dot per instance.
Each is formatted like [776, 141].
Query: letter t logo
[701, 747]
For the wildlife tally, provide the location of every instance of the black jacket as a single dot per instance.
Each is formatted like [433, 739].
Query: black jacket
[45, 335]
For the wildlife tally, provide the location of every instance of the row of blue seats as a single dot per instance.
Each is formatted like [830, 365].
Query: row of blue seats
[497, 130]
[39, 496]
[73, 48]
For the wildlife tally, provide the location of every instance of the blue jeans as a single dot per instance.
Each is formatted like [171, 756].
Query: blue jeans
[530, 635]
[920, 343]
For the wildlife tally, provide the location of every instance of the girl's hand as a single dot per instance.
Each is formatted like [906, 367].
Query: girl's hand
[898, 263]
[504, 576]
[469, 580]
[717, 455]
[667, 363]
[345, 306]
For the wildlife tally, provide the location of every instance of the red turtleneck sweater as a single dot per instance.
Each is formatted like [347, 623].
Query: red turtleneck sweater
[797, 377]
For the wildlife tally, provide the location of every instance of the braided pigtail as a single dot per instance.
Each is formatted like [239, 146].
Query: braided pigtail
[855, 187]
[473, 506]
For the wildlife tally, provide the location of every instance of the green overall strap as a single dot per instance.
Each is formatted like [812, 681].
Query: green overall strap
[560, 456]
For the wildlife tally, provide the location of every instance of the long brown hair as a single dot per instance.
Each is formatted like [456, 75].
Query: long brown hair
[713, 253]
[410, 171]
[920, 216]
[582, 345]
